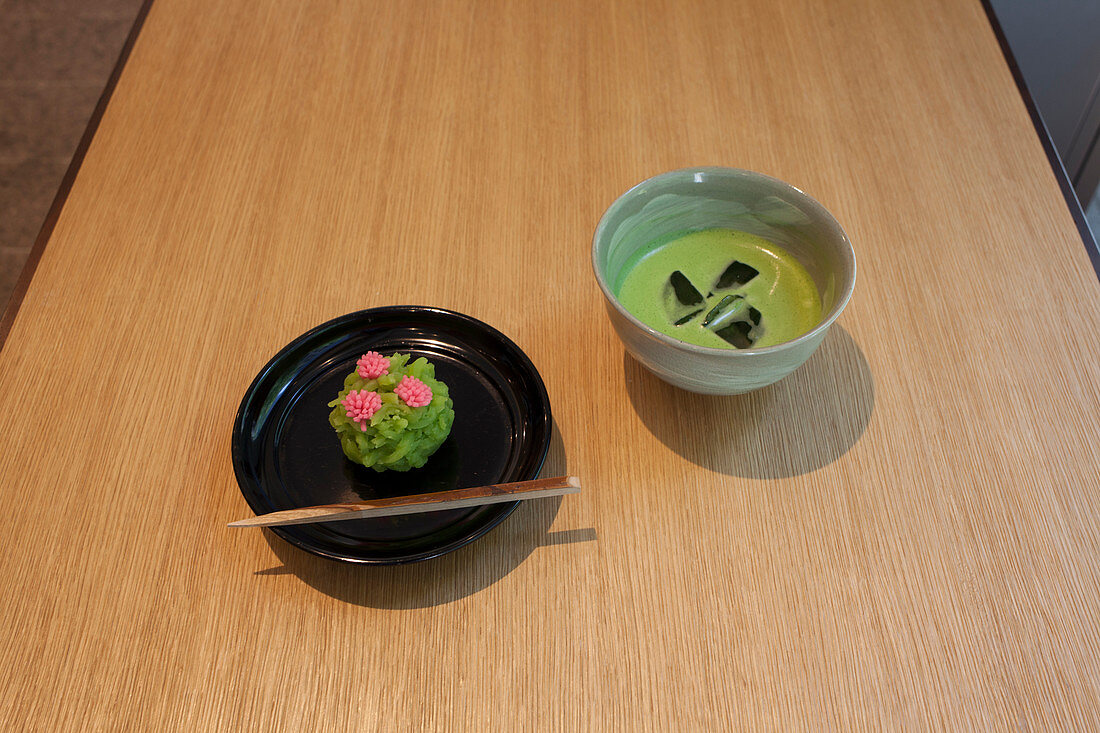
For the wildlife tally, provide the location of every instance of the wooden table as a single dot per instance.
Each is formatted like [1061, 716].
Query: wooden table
[904, 533]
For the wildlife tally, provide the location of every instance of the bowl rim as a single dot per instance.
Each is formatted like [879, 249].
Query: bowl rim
[724, 172]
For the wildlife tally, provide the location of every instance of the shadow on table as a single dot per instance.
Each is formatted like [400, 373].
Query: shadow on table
[801, 423]
[443, 579]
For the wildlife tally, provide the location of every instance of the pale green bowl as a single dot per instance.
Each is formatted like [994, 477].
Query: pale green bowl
[704, 198]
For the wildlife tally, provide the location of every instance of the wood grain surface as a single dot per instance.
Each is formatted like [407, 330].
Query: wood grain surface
[902, 534]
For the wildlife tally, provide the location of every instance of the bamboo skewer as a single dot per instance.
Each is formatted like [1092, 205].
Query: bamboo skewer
[416, 503]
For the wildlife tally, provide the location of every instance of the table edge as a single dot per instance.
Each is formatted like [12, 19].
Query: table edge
[1072, 202]
[54, 212]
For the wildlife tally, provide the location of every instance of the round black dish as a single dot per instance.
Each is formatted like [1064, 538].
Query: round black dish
[285, 454]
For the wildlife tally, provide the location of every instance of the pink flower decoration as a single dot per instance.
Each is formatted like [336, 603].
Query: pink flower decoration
[361, 406]
[414, 392]
[372, 365]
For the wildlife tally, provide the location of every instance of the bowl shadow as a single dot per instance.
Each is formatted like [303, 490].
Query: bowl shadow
[797, 425]
[442, 579]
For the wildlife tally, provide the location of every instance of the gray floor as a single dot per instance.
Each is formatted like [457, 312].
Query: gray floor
[55, 58]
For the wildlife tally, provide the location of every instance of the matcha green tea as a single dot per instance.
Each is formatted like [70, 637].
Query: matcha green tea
[721, 288]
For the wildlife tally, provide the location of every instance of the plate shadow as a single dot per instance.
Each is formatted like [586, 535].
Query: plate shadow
[797, 425]
[443, 579]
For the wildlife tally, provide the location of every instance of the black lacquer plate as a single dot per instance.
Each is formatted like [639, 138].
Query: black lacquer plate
[286, 455]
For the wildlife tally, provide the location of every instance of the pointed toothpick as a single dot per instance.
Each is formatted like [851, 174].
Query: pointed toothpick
[454, 499]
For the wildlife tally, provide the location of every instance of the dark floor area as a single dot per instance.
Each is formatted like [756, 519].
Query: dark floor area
[55, 59]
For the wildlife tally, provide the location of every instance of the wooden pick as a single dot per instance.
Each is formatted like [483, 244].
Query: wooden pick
[415, 503]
